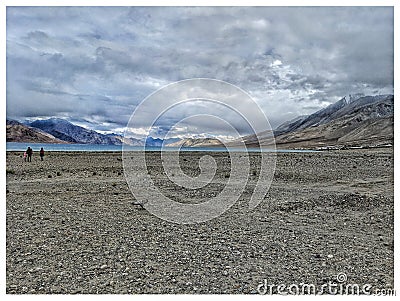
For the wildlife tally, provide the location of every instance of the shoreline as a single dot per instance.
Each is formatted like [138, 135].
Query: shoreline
[207, 149]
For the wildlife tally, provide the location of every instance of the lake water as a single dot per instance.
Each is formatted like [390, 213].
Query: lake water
[20, 146]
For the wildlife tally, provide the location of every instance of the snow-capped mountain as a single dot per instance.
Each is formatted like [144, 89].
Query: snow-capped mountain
[69, 132]
[345, 106]
[352, 121]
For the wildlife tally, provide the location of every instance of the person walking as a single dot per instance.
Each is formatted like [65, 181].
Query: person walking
[41, 153]
[29, 152]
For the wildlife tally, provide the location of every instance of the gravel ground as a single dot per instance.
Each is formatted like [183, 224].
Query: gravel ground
[73, 227]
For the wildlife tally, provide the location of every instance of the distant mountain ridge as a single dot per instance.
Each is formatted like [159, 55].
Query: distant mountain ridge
[18, 132]
[69, 132]
[195, 142]
[119, 140]
[334, 111]
[57, 130]
[354, 120]
[351, 121]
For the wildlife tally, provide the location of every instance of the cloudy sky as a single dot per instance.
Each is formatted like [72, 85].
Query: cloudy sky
[94, 65]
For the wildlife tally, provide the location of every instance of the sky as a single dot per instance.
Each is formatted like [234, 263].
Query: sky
[94, 65]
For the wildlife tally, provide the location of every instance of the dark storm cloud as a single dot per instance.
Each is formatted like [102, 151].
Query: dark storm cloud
[95, 64]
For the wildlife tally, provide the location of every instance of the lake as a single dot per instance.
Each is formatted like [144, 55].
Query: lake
[22, 146]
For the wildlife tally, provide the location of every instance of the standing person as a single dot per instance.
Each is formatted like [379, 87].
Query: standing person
[25, 156]
[41, 153]
[29, 152]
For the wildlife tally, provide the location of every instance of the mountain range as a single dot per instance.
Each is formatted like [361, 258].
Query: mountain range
[56, 130]
[18, 132]
[351, 121]
[195, 142]
[69, 132]
[354, 120]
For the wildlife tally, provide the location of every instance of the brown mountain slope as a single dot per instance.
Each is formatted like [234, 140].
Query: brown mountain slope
[195, 142]
[367, 121]
[370, 132]
[17, 132]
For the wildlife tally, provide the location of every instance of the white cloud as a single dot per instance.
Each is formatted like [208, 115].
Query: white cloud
[276, 63]
[95, 64]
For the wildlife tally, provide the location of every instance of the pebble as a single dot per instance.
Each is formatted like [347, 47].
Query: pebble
[147, 255]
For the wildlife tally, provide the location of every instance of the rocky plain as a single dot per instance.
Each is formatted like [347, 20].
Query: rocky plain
[74, 227]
